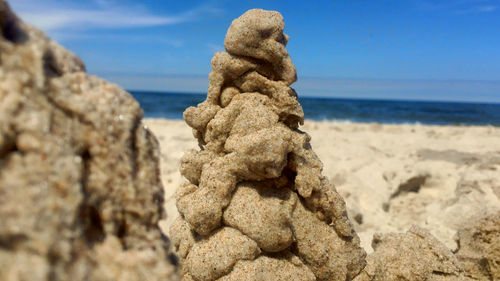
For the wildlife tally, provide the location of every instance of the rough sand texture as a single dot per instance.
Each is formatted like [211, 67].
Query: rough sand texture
[256, 196]
[80, 189]
[479, 249]
[414, 255]
[368, 163]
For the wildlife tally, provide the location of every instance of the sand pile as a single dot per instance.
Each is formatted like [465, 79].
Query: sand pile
[256, 206]
[80, 190]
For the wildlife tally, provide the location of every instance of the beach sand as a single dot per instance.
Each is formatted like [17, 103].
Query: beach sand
[441, 178]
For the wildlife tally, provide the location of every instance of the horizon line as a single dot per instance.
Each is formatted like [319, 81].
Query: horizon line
[330, 97]
[185, 75]
[478, 91]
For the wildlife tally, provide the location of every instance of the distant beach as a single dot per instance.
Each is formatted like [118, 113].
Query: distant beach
[171, 105]
[391, 176]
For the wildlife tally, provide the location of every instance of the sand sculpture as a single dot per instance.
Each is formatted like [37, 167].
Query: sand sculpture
[256, 206]
[80, 194]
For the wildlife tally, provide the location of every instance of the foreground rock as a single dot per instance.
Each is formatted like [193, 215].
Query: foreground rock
[256, 206]
[80, 194]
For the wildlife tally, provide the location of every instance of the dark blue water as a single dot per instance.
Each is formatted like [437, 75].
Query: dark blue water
[171, 106]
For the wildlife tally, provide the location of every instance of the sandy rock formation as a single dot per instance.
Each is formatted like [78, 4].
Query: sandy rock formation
[80, 194]
[256, 206]
[415, 256]
[479, 249]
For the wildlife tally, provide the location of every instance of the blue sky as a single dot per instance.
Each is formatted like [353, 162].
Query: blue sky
[399, 49]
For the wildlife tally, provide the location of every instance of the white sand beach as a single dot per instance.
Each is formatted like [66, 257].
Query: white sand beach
[392, 176]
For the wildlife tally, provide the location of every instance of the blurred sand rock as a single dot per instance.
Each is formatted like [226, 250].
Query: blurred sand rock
[80, 188]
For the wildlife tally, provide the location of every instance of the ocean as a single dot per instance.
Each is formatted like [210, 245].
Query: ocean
[171, 105]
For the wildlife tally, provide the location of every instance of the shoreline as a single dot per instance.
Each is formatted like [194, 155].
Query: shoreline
[391, 176]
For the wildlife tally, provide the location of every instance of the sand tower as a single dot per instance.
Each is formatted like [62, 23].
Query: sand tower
[256, 206]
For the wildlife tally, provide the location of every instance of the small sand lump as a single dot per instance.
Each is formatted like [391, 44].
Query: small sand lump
[415, 256]
[256, 206]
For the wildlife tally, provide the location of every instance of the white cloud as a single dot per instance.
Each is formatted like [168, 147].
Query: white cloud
[460, 6]
[489, 8]
[478, 9]
[214, 48]
[125, 38]
[60, 16]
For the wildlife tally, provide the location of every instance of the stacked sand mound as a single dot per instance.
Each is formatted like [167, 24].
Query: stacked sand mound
[80, 193]
[256, 206]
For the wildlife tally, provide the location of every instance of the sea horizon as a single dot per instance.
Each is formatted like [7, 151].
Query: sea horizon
[170, 105]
